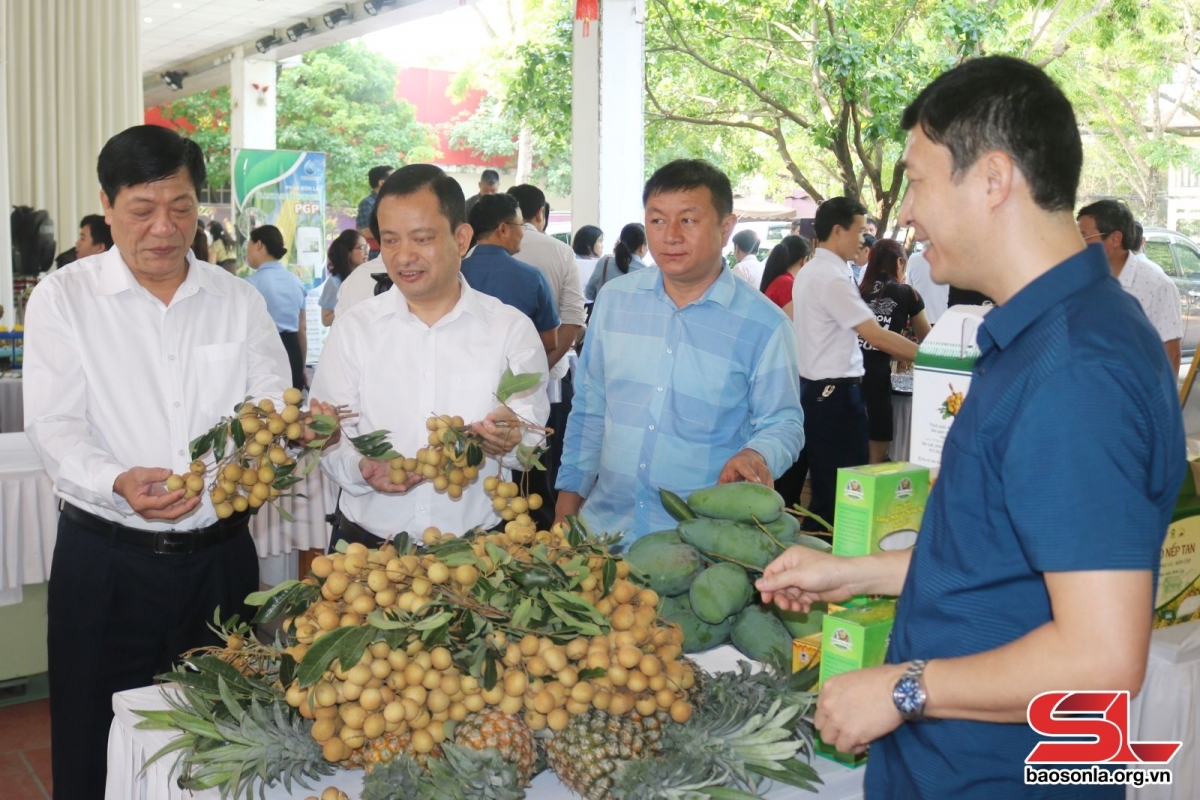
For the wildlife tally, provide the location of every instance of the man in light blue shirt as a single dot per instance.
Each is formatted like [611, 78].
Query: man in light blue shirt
[688, 376]
[283, 292]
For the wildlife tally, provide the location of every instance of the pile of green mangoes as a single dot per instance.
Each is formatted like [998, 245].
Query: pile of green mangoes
[704, 569]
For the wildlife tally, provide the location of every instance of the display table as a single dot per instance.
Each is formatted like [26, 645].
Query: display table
[129, 749]
[1168, 709]
[29, 515]
[12, 403]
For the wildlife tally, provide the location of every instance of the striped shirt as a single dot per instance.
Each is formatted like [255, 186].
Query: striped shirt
[664, 396]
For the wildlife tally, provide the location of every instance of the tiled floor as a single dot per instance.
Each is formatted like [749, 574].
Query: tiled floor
[25, 751]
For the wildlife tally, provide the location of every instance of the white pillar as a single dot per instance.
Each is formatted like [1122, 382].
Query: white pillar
[252, 91]
[608, 120]
[6, 284]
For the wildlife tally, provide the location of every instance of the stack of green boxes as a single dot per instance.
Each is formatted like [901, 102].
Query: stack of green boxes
[879, 508]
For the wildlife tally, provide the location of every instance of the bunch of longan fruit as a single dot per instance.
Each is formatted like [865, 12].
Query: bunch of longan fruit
[446, 461]
[247, 478]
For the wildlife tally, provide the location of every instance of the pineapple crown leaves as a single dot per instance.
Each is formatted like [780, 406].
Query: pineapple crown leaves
[233, 746]
[683, 776]
[463, 774]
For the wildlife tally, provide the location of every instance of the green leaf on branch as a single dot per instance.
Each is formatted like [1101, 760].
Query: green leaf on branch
[511, 384]
[259, 598]
[239, 435]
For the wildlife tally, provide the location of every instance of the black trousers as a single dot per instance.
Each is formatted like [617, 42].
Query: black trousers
[543, 482]
[835, 435]
[118, 616]
[291, 343]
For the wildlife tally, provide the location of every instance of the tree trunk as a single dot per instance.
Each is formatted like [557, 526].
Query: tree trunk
[524, 154]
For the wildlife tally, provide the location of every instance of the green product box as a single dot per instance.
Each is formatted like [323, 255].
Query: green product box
[879, 507]
[854, 638]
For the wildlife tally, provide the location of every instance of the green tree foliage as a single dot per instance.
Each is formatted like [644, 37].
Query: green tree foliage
[208, 112]
[528, 80]
[339, 101]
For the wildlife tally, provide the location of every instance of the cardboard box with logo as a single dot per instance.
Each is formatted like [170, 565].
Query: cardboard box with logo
[1177, 598]
[879, 507]
[853, 638]
[941, 380]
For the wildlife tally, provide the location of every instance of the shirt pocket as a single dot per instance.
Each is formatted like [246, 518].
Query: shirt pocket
[219, 377]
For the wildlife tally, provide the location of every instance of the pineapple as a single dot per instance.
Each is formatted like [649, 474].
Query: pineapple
[508, 733]
[463, 774]
[383, 749]
[589, 750]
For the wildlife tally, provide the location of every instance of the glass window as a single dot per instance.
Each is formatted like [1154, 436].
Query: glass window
[1160, 253]
[1189, 261]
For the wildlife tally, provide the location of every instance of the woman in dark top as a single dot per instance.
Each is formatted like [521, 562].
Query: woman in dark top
[894, 304]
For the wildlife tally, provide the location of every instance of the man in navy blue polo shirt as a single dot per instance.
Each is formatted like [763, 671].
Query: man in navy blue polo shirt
[491, 268]
[1035, 566]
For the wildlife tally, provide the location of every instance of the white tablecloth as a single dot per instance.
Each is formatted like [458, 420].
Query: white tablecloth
[12, 404]
[128, 750]
[1168, 709]
[29, 515]
[901, 427]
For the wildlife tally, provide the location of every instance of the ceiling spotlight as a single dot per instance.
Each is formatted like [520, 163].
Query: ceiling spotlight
[337, 17]
[267, 42]
[373, 7]
[174, 79]
[299, 31]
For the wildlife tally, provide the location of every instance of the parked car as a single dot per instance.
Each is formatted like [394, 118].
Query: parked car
[1179, 257]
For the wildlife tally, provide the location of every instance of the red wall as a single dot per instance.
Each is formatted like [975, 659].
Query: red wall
[426, 90]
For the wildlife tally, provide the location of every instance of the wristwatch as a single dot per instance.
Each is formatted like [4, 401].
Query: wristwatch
[909, 693]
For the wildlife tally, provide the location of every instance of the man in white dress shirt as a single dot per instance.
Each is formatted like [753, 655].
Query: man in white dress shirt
[935, 295]
[557, 261]
[431, 344]
[130, 354]
[829, 316]
[745, 255]
[1110, 224]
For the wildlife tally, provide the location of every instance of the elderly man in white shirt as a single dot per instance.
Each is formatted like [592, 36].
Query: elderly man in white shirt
[431, 344]
[131, 354]
[1110, 224]
[745, 254]
[557, 261]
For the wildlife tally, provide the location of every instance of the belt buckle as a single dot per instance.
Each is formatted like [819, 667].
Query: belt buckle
[165, 545]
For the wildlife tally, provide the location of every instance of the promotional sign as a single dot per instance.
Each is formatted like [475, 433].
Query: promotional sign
[284, 188]
[941, 379]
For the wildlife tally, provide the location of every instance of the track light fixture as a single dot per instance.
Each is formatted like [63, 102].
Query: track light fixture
[299, 31]
[174, 79]
[337, 17]
[373, 7]
[267, 42]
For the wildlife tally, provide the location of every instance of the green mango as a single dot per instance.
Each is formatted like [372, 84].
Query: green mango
[671, 537]
[814, 542]
[757, 632]
[785, 529]
[741, 502]
[668, 567]
[731, 540]
[719, 592]
[799, 624]
[698, 635]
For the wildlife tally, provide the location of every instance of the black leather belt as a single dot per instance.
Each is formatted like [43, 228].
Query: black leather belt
[163, 542]
[352, 532]
[834, 381]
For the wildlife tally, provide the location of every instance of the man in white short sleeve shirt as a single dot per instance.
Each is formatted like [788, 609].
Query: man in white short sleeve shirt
[829, 316]
[1110, 224]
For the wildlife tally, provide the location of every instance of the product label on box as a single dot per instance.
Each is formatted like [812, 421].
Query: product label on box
[937, 397]
[879, 507]
[1178, 596]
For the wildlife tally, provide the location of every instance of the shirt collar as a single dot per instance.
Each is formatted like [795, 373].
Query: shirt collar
[267, 265]
[1005, 323]
[489, 249]
[468, 303]
[115, 276]
[827, 256]
[720, 291]
[1129, 271]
